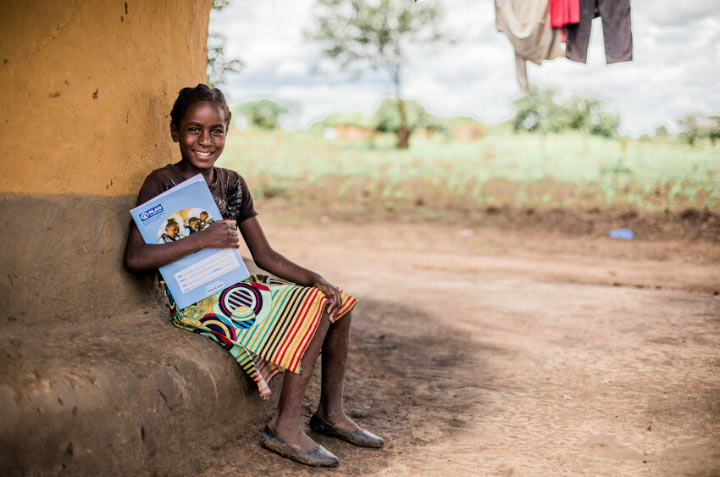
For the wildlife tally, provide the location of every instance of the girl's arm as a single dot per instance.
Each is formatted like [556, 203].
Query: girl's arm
[142, 256]
[268, 259]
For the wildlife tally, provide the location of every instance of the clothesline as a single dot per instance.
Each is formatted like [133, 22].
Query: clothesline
[537, 30]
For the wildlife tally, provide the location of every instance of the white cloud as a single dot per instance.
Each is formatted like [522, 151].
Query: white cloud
[673, 12]
[676, 63]
[292, 67]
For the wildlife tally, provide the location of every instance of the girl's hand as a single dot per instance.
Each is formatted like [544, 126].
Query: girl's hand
[220, 234]
[332, 294]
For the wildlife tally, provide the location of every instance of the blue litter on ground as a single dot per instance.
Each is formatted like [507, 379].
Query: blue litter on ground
[625, 234]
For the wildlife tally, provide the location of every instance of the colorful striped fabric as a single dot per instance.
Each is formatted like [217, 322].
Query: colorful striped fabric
[265, 323]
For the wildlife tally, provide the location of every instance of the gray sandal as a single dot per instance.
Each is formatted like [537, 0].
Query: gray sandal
[359, 437]
[319, 456]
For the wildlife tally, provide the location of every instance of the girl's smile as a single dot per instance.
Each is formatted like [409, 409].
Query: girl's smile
[201, 135]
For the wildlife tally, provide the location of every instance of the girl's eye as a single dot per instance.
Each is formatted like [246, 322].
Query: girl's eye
[193, 130]
[218, 131]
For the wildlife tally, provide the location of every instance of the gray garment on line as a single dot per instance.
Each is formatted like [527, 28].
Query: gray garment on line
[617, 34]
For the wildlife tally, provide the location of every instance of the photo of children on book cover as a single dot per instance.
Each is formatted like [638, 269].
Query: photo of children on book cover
[182, 224]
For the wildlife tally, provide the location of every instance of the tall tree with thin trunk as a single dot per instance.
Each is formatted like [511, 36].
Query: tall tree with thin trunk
[218, 64]
[381, 35]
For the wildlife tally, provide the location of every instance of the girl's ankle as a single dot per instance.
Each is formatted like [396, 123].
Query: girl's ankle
[330, 415]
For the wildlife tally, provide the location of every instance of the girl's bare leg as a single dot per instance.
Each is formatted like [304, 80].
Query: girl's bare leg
[334, 358]
[286, 421]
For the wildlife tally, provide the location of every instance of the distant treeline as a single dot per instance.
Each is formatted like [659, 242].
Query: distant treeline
[266, 114]
[540, 111]
[537, 111]
[387, 118]
[695, 127]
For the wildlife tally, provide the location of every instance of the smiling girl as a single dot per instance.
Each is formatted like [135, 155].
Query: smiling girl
[287, 319]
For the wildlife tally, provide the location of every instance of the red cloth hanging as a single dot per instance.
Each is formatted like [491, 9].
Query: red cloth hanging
[564, 12]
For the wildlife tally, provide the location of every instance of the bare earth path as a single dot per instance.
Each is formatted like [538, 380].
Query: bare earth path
[490, 352]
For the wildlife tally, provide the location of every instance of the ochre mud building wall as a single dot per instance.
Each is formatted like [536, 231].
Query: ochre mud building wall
[96, 381]
[87, 87]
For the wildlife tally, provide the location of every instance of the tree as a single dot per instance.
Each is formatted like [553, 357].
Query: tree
[537, 110]
[714, 132]
[261, 113]
[218, 65]
[379, 34]
[694, 127]
[348, 119]
[387, 117]
[690, 128]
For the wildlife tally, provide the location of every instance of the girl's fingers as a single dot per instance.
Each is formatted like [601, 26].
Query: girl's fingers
[332, 306]
[338, 297]
[334, 299]
[335, 309]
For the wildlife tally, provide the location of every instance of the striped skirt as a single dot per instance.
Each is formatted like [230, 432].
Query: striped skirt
[265, 323]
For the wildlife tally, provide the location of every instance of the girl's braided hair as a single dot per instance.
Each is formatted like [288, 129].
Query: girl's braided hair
[189, 96]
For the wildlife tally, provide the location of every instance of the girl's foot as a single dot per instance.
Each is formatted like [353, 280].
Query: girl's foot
[318, 456]
[358, 436]
[341, 420]
[292, 435]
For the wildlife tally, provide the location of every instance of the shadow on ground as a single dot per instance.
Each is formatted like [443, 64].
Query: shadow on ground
[401, 383]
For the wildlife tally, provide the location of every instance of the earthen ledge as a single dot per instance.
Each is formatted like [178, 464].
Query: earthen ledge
[132, 394]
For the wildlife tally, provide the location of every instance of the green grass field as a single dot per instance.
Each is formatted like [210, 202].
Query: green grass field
[502, 168]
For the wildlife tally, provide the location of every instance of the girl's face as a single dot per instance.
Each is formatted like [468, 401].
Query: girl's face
[201, 134]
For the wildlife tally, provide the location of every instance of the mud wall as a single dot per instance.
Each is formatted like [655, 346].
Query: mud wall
[87, 90]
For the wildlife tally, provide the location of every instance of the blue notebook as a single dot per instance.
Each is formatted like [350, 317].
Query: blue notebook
[177, 213]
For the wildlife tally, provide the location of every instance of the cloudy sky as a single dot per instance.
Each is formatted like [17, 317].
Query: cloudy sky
[675, 72]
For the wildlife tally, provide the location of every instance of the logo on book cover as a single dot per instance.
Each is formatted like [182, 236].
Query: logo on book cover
[151, 212]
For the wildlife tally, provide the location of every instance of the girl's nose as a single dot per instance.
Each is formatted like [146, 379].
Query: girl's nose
[205, 138]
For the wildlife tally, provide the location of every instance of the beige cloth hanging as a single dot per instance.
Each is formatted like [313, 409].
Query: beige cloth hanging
[526, 23]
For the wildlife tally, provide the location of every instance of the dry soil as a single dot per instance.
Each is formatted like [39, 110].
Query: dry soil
[481, 351]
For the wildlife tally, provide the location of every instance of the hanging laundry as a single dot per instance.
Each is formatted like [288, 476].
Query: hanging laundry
[617, 34]
[526, 23]
[564, 12]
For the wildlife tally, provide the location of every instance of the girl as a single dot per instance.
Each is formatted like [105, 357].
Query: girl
[293, 317]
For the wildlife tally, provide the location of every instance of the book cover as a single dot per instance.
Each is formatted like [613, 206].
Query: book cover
[177, 213]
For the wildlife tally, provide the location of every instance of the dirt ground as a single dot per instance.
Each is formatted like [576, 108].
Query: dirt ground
[483, 351]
